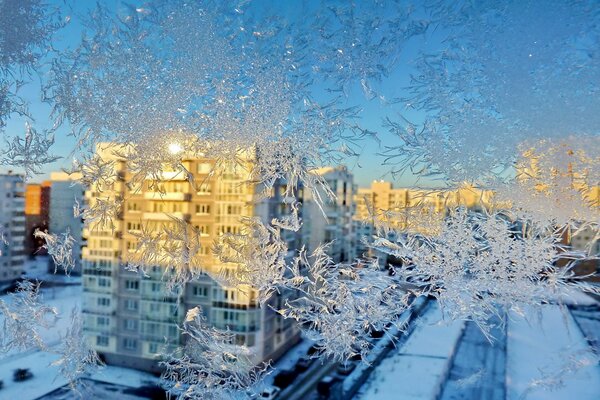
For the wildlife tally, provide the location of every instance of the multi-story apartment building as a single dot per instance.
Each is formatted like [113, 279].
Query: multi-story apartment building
[404, 209]
[331, 222]
[128, 316]
[64, 194]
[12, 227]
[37, 207]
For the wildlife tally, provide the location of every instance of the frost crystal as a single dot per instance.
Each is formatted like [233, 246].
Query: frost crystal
[25, 30]
[29, 153]
[502, 73]
[339, 305]
[259, 258]
[211, 365]
[176, 247]
[60, 248]
[76, 356]
[482, 265]
[23, 317]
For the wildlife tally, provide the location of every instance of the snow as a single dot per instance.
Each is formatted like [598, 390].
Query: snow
[419, 368]
[45, 377]
[63, 298]
[543, 351]
[124, 376]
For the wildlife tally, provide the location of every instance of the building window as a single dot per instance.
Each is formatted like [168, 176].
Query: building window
[130, 344]
[103, 282]
[154, 307]
[203, 229]
[155, 287]
[103, 302]
[132, 285]
[234, 210]
[153, 348]
[202, 209]
[131, 305]
[204, 189]
[200, 291]
[102, 321]
[130, 324]
[102, 341]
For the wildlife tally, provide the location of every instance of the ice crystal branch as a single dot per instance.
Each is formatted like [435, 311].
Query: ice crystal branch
[23, 316]
[175, 247]
[557, 182]
[259, 258]
[30, 153]
[76, 356]
[26, 27]
[482, 265]
[60, 248]
[339, 305]
[211, 365]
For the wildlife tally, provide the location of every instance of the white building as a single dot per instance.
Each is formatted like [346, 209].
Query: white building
[12, 227]
[64, 193]
[333, 223]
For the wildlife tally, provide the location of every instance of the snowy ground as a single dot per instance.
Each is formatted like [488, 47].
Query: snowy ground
[547, 356]
[419, 368]
[479, 367]
[64, 293]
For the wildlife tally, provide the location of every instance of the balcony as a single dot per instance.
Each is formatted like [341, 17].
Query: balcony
[156, 317]
[161, 216]
[172, 196]
[108, 311]
[168, 176]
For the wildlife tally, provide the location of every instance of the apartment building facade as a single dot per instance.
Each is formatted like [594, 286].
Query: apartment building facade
[130, 318]
[331, 222]
[12, 227]
[385, 208]
[37, 208]
[65, 192]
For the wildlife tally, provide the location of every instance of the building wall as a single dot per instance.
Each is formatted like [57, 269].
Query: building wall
[127, 316]
[12, 227]
[37, 207]
[63, 195]
[332, 222]
[392, 209]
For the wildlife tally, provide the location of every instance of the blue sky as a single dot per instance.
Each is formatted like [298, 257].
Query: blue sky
[366, 168]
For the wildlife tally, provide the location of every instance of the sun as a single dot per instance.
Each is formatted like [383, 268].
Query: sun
[175, 148]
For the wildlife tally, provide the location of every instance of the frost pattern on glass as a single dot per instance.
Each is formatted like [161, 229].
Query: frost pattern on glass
[76, 357]
[502, 73]
[26, 27]
[60, 248]
[210, 366]
[481, 266]
[24, 317]
[30, 153]
[555, 182]
[258, 256]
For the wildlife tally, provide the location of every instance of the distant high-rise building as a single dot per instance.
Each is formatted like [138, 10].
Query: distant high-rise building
[37, 207]
[127, 316]
[64, 194]
[12, 227]
[403, 209]
[331, 222]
